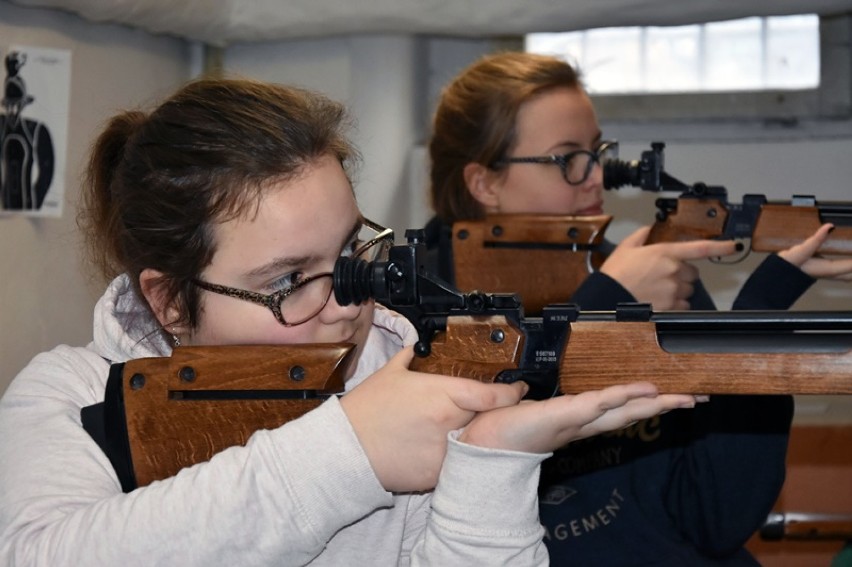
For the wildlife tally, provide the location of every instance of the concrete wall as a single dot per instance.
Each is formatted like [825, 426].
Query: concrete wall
[381, 80]
[46, 295]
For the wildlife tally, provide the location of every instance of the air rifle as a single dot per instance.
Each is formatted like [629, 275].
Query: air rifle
[487, 337]
[503, 253]
[702, 211]
[163, 414]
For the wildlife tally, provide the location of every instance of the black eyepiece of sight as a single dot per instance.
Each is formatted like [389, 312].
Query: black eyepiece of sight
[353, 281]
[618, 173]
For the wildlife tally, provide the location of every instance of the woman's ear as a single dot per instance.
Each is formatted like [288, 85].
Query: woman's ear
[482, 184]
[151, 284]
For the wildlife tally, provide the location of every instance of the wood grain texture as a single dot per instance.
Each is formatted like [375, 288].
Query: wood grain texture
[693, 219]
[167, 433]
[781, 226]
[521, 254]
[468, 349]
[596, 357]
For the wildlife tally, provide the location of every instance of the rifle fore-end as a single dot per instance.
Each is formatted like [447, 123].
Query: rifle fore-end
[781, 226]
[183, 409]
[596, 357]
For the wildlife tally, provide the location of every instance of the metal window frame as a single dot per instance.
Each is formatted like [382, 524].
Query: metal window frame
[831, 100]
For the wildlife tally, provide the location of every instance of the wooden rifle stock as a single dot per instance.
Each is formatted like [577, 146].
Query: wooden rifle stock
[164, 414]
[771, 226]
[542, 258]
[704, 212]
[594, 359]
[807, 526]
[781, 226]
[601, 353]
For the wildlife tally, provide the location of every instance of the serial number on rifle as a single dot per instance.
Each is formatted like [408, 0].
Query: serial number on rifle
[545, 356]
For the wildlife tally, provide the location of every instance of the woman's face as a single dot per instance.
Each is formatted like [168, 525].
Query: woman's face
[302, 226]
[554, 122]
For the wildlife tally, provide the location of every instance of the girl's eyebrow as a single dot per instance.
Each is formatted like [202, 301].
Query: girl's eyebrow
[577, 145]
[278, 265]
[289, 263]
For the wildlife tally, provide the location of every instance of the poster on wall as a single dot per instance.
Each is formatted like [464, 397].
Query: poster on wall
[33, 130]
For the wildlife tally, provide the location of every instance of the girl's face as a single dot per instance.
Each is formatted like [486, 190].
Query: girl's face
[302, 226]
[554, 122]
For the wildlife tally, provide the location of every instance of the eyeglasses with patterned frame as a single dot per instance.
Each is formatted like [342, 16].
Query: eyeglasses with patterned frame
[576, 166]
[308, 297]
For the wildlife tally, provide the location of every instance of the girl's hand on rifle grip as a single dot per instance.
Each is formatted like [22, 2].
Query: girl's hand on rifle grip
[402, 419]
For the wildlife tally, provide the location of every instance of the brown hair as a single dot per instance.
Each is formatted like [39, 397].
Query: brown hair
[475, 121]
[157, 182]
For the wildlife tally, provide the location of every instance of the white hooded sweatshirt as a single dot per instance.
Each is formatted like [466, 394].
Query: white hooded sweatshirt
[302, 494]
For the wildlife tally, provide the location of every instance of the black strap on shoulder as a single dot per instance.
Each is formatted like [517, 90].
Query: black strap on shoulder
[106, 423]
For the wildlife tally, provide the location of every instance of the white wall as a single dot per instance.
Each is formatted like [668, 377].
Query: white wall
[46, 297]
[379, 78]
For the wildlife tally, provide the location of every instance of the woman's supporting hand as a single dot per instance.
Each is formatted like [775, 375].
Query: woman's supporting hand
[544, 426]
[804, 255]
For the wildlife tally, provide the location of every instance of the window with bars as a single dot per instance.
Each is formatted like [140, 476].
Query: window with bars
[751, 54]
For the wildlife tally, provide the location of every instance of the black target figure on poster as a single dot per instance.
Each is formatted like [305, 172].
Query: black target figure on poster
[26, 148]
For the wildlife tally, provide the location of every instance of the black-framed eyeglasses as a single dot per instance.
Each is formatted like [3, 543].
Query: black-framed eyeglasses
[576, 166]
[303, 301]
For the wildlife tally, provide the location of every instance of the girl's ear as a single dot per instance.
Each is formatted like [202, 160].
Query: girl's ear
[151, 284]
[483, 186]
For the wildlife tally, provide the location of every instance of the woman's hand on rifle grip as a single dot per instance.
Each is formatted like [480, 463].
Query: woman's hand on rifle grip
[660, 273]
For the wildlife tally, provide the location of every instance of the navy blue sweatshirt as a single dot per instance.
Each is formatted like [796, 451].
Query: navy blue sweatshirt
[687, 488]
